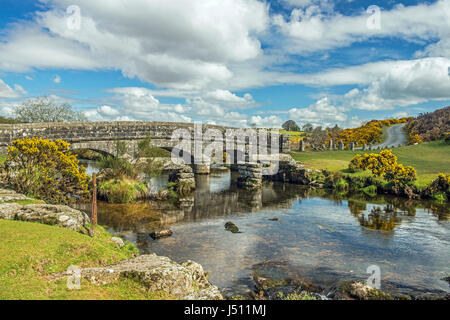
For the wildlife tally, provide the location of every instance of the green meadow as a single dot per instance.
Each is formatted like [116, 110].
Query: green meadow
[429, 159]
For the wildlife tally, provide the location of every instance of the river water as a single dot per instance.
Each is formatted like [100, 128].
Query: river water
[319, 236]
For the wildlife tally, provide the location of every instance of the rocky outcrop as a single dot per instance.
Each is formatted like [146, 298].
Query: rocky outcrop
[55, 215]
[185, 281]
[10, 195]
[8, 211]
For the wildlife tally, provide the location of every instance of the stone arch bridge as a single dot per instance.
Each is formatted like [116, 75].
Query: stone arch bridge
[102, 136]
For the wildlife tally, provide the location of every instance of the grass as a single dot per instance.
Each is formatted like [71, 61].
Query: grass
[30, 252]
[429, 159]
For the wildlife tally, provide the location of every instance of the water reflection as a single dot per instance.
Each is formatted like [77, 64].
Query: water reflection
[324, 235]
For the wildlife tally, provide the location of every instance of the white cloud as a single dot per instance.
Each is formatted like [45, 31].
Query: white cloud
[266, 122]
[320, 113]
[20, 89]
[404, 84]
[6, 91]
[194, 47]
[311, 29]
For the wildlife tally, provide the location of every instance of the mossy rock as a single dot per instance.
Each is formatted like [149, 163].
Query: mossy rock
[354, 290]
[230, 226]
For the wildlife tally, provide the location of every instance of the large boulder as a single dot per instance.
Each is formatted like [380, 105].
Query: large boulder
[156, 273]
[8, 211]
[58, 215]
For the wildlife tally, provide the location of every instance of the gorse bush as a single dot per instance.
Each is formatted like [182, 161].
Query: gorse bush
[440, 184]
[384, 164]
[44, 169]
[370, 132]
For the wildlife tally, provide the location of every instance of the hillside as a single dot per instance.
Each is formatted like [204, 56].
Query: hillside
[431, 126]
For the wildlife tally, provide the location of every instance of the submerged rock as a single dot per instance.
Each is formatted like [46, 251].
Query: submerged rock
[161, 234]
[230, 226]
[185, 281]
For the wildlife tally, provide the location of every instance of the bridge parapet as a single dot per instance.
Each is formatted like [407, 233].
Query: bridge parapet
[102, 135]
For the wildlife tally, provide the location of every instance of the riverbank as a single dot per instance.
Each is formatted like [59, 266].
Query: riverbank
[35, 257]
[428, 158]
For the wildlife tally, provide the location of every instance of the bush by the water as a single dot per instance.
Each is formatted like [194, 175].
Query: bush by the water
[44, 169]
[384, 164]
[440, 187]
[122, 190]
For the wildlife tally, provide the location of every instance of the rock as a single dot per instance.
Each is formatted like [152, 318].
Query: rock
[8, 211]
[230, 226]
[354, 290]
[62, 216]
[161, 234]
[156, 273]
[7, 195]
[118, 241]
[273, 219]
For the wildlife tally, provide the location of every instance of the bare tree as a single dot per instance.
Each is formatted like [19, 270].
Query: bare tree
[43, 109]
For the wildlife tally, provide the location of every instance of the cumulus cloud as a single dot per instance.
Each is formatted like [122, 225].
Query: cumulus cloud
[311, 29]
[404, 84]
[7, 92]
[323, 113]
[193, 49]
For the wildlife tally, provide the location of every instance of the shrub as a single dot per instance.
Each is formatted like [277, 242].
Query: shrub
[440, 184]
[122, 190]
[371, 191]
[115, 167]
[45, 169]
[384, 164]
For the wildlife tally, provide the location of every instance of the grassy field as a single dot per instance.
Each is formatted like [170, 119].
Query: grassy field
[429, 159]
[29, 252]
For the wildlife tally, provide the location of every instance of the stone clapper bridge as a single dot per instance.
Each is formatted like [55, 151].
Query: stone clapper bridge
[102, 137]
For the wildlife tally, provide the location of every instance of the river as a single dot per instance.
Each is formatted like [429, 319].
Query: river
[319, 236]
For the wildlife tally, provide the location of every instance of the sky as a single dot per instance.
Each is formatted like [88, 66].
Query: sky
[241, 63]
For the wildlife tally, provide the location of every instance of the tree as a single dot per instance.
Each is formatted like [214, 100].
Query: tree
[290, 125]
[318, 136]
[44, 169]
[44, 109]
[308, 127]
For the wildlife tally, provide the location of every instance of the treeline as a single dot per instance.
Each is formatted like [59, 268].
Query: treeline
[431, 126]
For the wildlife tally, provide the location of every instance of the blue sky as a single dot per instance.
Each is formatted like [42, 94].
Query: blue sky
[233, 62]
